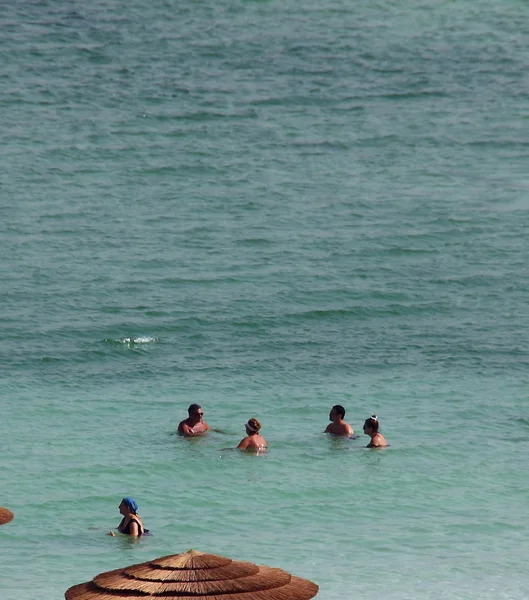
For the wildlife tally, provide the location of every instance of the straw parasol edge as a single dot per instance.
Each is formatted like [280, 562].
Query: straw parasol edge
[195, 576]
[5, 515]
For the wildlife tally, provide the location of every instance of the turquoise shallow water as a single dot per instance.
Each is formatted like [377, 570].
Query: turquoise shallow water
[266, 208]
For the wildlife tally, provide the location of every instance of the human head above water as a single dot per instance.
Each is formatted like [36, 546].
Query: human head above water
[339, 410]
[371, 424]
[253, 425]
[194, 409]
[130, 503]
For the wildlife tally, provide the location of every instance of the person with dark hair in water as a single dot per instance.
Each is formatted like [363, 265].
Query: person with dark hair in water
[131, 524]
[371, 429]
[194, 424]
[253, 442]
[338, 426]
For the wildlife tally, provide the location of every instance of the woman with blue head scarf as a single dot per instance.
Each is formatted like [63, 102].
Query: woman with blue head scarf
[131, 524]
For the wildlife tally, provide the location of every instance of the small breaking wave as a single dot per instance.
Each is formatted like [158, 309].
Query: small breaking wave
[132, 341]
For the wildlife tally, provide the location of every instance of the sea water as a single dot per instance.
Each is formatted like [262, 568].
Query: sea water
[267, 208]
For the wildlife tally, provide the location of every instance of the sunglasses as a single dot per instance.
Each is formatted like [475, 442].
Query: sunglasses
[201, 414]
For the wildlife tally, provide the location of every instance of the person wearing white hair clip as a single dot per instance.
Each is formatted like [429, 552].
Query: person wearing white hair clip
[253, 442]
[371, 429]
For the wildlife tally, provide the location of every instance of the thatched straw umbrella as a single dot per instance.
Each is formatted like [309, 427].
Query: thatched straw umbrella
[195, 576]
[5, 515]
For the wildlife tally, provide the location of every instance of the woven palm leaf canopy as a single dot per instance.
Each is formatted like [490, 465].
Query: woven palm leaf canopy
[195, 576]
[5, 515]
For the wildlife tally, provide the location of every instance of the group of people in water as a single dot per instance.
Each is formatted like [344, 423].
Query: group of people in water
[194, 425]
[131, 523]
[338, 426]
